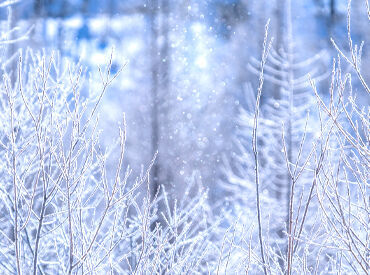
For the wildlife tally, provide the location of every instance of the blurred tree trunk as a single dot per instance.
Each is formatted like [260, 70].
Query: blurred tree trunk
[37, 13]
[280, 46]
[331, 22]
[159, 22]
[14, 47]
[279, 33]
[332, 9]
[85, 9]
[38, 21]
[284, 47]
[165, 96]
[153, 14]
[37, 7]
[60, 39]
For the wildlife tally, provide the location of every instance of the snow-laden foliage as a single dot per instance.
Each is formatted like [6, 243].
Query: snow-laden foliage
[63, 209]
[297, 187]
[310, 178]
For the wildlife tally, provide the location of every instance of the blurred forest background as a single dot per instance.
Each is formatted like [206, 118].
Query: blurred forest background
[188, 68]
